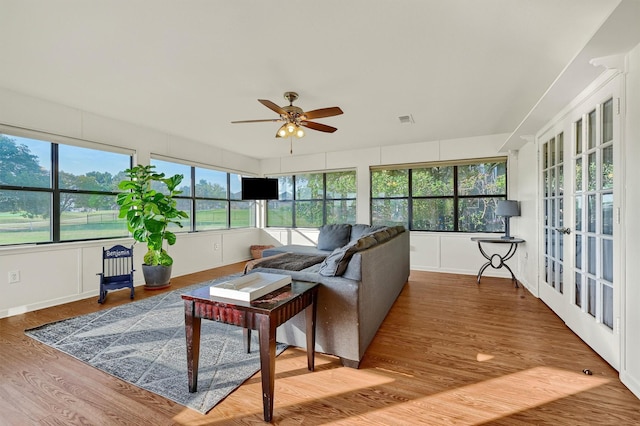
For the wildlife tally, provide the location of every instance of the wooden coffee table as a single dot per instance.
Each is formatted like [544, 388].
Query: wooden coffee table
[264, 314]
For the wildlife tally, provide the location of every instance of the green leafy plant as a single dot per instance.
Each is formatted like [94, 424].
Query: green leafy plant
[149, 212]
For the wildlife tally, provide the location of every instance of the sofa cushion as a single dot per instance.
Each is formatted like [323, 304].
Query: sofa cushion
[360, 229]
[382, 235]
[392, 230]
[399, 228]
[336, 263]
[333, 236]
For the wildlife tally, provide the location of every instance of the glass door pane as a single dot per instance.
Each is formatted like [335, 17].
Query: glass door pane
[553, 181]
[594, 190]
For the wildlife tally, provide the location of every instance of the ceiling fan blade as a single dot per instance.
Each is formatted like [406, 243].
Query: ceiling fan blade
[323, 112]
[272, 106]
[318, 126]
[258, 121]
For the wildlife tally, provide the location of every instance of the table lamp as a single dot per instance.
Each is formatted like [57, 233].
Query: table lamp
[507, 209]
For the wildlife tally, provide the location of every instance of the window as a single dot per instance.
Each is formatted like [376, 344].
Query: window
[183, 200]
[53, 192]
[242, 214]
[459, 197]
[314, 199]
[309, 200]
[212, 198]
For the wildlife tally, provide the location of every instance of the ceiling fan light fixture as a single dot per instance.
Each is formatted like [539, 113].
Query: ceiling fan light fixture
[290, 130]
[294, 117]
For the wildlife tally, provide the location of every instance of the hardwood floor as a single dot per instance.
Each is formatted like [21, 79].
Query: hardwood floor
[449, 352]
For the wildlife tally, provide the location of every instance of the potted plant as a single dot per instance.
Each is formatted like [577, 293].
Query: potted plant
[149, 212]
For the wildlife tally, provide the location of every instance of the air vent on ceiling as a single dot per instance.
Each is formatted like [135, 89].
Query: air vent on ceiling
[406, 119]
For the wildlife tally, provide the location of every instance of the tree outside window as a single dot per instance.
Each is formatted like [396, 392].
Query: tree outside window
[314, 199]
[212, 198]
[84, 191]
[440, 197]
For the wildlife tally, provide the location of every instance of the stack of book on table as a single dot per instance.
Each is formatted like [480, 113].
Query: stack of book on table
[249, 287]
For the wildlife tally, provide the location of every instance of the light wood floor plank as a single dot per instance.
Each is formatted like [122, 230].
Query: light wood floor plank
[449, 352]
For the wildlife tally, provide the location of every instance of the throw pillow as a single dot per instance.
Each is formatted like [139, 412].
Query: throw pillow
[336, 263]
[333, 236]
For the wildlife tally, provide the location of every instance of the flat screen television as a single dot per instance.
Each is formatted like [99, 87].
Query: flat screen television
[259, 188]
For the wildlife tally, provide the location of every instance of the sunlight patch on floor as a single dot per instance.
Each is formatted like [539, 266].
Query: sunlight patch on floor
[474, 404]
[483, 357]
[388, 371]
[491, 399]
[328, 383]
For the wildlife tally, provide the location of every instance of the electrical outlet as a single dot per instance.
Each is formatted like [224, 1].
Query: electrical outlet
[14, 277]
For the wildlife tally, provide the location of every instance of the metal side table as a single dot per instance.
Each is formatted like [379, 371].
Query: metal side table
[496, 260]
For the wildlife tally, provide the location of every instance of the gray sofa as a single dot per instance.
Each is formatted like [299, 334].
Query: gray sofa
[360, 281]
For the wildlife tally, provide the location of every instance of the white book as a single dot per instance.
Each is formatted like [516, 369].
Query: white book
[250, 287]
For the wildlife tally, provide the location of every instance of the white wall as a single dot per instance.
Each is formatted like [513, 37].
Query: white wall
[526, 224]
[430, 251]
[51, 274]
[630, 366]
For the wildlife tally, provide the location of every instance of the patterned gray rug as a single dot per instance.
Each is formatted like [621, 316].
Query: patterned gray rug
[143, 343]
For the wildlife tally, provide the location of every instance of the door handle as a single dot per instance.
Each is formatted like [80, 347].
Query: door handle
[564, 230]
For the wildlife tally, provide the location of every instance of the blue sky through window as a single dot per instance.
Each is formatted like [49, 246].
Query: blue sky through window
[38, 148]
[80, 161]
[75, 160]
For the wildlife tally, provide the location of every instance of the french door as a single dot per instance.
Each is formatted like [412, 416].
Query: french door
[580, 277]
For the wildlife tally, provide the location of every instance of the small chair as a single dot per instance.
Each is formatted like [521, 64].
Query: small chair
[117, 270]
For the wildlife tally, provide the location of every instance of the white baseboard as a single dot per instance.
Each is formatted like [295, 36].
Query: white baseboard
[630, 382]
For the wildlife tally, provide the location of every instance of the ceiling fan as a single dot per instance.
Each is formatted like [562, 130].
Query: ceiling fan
[295, 118]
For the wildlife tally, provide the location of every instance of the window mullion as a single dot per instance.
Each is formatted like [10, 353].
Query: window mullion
[456, 216]
[192, 201]
[293, 201]
[228, 201]
[410, 198]
[324, 198]
[55, 199]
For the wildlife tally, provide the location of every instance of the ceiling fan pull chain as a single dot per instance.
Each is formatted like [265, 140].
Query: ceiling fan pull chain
[291, 145]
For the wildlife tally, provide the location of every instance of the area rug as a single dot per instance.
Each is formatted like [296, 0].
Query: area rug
[143, 343]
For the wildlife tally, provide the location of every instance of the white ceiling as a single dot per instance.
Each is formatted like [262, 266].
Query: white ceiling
[461, 68]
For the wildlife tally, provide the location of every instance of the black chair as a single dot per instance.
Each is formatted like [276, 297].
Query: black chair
[117, 270]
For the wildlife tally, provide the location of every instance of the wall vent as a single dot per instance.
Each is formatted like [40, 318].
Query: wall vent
[406, 119]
